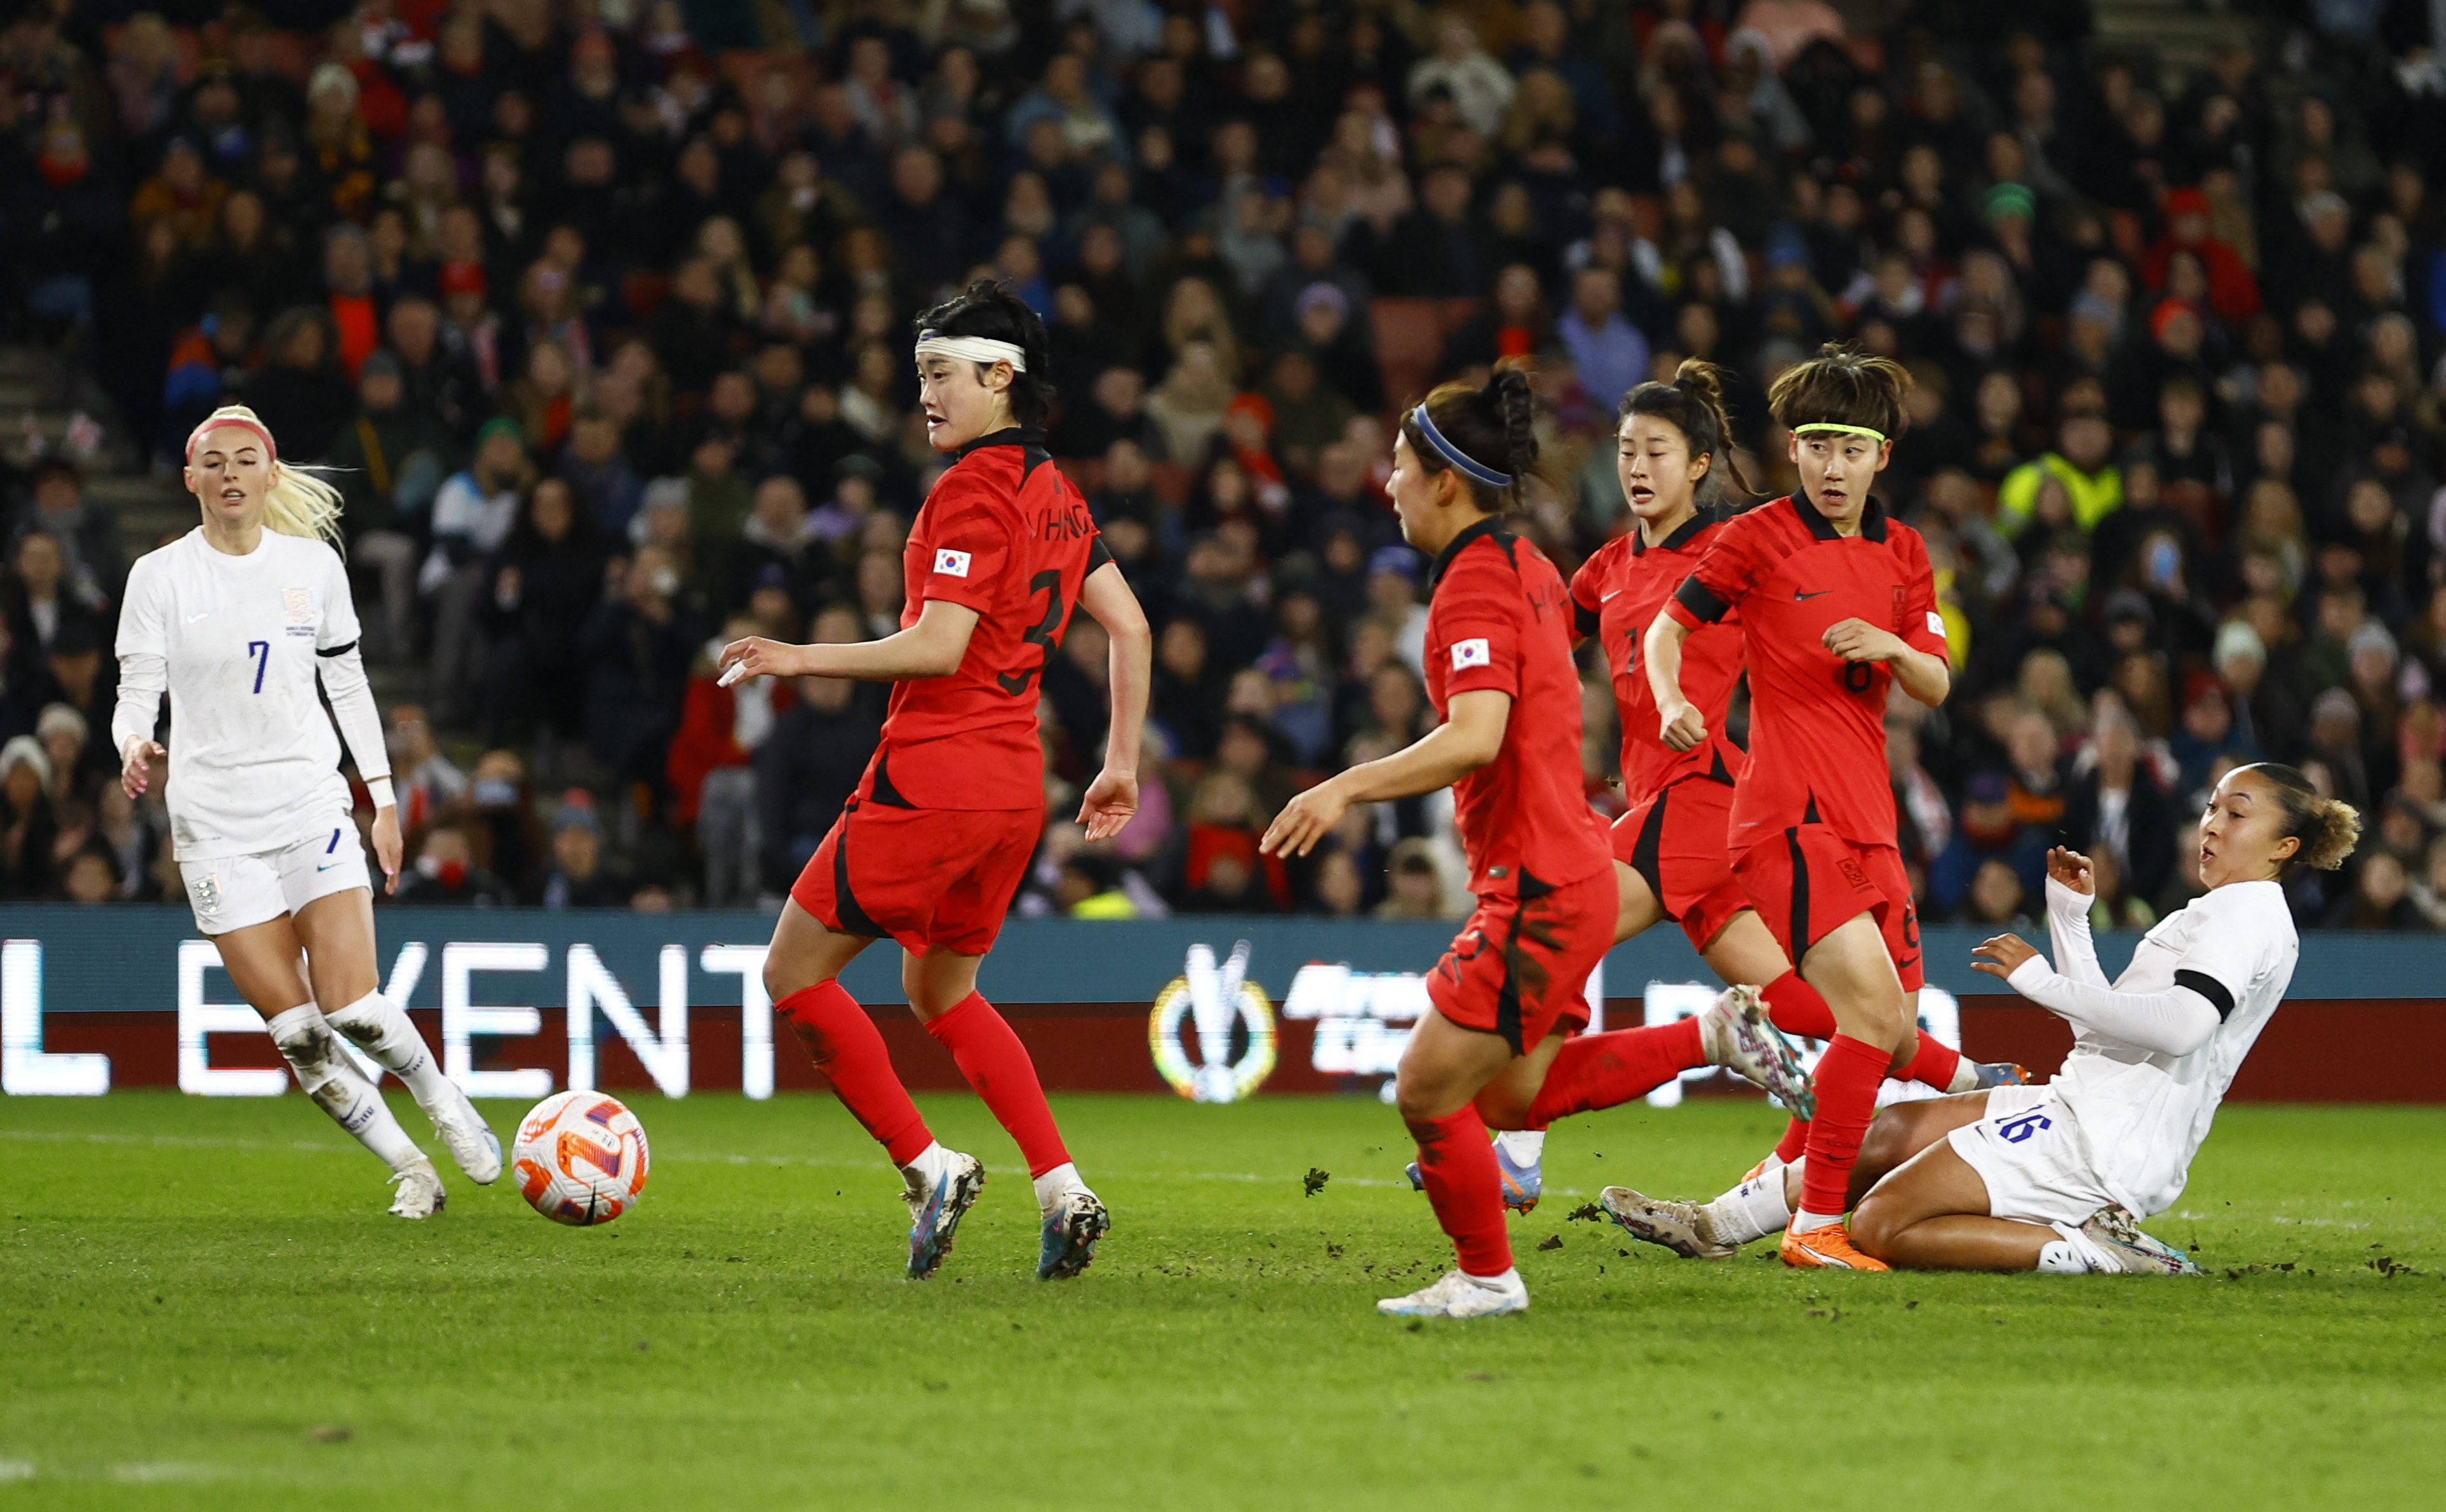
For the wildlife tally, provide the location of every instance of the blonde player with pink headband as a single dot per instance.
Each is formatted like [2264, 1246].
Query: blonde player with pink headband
[237, 621]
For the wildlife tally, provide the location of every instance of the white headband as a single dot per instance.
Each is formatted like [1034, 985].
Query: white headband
[973, 350]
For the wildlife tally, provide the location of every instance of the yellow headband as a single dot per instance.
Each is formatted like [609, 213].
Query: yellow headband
[1844, 430]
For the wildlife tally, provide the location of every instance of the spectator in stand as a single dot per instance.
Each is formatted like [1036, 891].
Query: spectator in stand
[577, 877]
[445, 871]
[472, 514]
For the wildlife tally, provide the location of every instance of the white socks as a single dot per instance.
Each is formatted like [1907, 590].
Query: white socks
[2075, 1253]
[307, 1043]
[1966, 1076]
[1055, 1184]
[1753, 1209]
[922, 1173]
[1526, 1146]
[1804, 1221]
[377, 1026]
[1509, 1281]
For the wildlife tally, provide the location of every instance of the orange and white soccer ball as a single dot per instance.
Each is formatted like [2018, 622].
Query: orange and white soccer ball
[580, 1158]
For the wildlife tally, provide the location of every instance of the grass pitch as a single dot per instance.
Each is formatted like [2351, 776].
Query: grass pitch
[202, 1305]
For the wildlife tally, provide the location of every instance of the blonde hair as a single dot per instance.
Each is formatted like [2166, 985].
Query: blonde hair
[301, 501]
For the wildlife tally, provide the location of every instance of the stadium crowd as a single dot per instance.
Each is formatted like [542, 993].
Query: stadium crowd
[604, 307]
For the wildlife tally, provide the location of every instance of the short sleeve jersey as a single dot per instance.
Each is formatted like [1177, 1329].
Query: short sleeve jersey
[1499, 618]
[255, 763]
[1616, 595]
[1817, 732]
[2143, 1115]
[1002, 532]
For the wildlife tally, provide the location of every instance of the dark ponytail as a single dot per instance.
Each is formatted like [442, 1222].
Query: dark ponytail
[988, 309]
[1694, 403]
[1495, 426]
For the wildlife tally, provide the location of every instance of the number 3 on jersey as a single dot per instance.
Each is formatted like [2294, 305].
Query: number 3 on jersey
[261, 651]
[1045, 632]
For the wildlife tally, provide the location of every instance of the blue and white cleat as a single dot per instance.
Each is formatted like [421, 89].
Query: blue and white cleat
[1460, 1295]
[1071, 1231]
[1522, 1184]
[469, 1139]
[1739, 1037]
[937, 1210]
[1994, 1073]
[2116, 1231]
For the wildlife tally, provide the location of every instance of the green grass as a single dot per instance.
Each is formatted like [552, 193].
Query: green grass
[201, 1304]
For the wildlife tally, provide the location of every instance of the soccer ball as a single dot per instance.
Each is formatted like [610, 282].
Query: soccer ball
[580, 1158]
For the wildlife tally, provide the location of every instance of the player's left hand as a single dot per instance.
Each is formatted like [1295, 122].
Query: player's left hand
[1111, 802]
[387, 847]
[1308, 818]
[2002, 954]
[1857, 640]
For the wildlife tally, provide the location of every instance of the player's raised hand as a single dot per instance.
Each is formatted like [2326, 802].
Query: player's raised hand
[388, 845]
[2071, 867]
[1111, 802]
[1681, 725]
[1998, 957]
[757, 657]
[1857, 640]
[136, 775]
[1308, 818]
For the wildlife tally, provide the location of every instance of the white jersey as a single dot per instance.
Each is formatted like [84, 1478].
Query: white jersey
[2142, 1114]
[238, 640]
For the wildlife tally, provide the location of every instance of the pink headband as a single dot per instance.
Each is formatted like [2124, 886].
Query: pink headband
[215, 423]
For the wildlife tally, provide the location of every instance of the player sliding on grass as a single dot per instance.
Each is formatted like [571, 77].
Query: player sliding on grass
[1670, 856]
[237, 620]
[1490, 1049]
[1838, 604]
[934, 844]
[2056, 1178]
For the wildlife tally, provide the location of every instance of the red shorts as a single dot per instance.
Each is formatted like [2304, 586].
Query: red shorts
[1676, 842]
[934, 879]
[1808, 879]
[1519, 968]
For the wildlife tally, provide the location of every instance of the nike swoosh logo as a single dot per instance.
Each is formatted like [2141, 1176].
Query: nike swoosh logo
[327, 865]
[1798, 595]
[1609, 598]
[193, 618]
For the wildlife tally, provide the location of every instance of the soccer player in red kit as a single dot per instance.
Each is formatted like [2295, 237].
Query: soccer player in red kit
[1838, 604]
[1499, 672]
[934, 844]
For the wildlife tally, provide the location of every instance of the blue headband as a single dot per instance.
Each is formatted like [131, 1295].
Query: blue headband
[1453, 455]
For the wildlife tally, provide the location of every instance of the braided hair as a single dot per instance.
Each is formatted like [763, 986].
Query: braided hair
[1494, 425]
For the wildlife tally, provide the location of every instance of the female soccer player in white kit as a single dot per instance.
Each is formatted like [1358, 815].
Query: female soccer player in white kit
[2057, 1177]
[237, 620]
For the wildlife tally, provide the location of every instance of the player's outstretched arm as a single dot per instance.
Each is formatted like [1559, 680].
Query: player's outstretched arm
[1468, 739]
[1680, 723]
[1112, 798]
[1924, 676]
[2173, 1023]
[932, 647]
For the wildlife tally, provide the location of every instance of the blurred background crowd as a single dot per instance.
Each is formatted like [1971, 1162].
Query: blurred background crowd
[604, 307]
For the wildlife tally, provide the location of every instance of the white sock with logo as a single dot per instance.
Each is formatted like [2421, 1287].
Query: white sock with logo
[1526, 1146]
[377, 1026]
[313, 1053]
[1754, 1209]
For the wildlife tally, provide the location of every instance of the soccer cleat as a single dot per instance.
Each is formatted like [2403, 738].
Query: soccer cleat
[1993, 1073]
[1522, 1184]
[1071, 1233]
[935, 1213]
[1827, 1249]
[1461, 1295]
[2115, 1230]
[420, 1192]
[1681, 1227]
[469, 1139]
[1739, 1037]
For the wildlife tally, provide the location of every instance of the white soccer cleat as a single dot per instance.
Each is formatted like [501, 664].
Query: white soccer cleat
[1739, 1037]
[2116, 1231]
[420, 1192]
[469, 1139]
[1460, 1295]
[1682, 1228]
[935, 1211]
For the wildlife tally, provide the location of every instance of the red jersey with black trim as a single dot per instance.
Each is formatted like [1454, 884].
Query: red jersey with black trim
[1616, 595]
[1002, 532]
[1498, 617]
[1818, 722]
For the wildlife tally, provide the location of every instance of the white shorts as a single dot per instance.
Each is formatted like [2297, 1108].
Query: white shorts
[231, 892]
[2028, 1152]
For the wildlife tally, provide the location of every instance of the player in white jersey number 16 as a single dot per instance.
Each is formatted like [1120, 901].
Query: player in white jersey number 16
[238, 623]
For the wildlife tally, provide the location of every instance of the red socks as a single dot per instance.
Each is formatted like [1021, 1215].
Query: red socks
[1934, 1065]
[849, 1050]
[1847, 1078]
[997, 1066]
[1457, 1162]
[1604, 1070]
[1794, 1141]
[1797, 1009]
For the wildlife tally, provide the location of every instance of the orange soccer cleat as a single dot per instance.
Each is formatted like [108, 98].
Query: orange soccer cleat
[1827, 1249]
